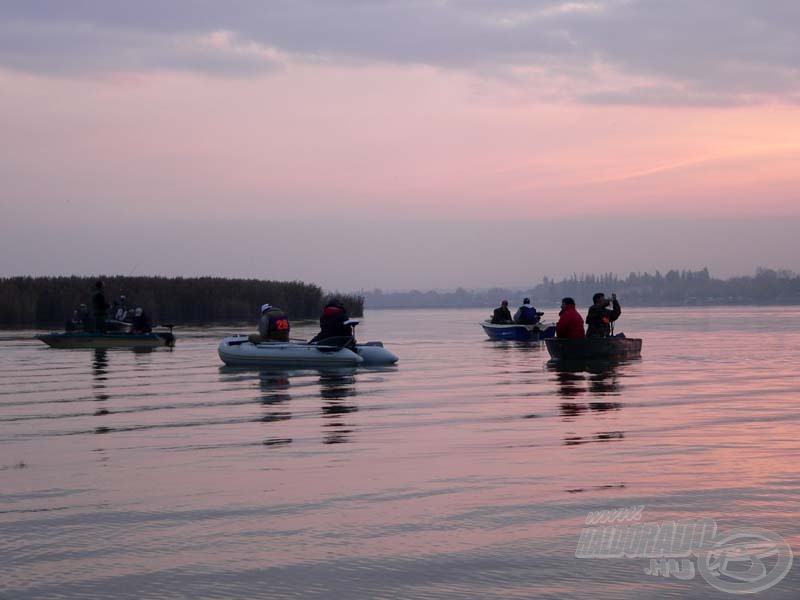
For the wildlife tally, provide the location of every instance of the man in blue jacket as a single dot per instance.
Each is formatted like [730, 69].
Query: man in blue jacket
[527, 314]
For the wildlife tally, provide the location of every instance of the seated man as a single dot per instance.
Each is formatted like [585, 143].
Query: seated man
[600, 317]
[570, 322]
[527, 314]
[84, 319]
[501, 314]
[78, 320]
[72, 322]
[272, 327]
[332, 322]
[120, 311]
[141, 322]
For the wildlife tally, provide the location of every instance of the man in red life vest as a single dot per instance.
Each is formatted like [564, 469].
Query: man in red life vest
[332, 321]
[570, 322]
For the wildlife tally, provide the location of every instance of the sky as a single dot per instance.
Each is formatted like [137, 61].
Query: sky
[399, 144]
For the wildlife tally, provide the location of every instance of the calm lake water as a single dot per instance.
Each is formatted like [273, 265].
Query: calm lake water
[465, 472]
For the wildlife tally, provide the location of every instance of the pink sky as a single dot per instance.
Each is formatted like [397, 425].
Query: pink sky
[382, 141]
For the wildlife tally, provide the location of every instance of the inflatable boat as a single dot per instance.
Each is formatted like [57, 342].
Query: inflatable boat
[238, 351]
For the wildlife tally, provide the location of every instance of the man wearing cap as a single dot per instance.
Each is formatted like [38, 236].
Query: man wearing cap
[501, 314]
[273, 325]
[527, 314]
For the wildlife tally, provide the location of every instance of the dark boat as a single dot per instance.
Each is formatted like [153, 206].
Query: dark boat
[610, 348]
[94, 339]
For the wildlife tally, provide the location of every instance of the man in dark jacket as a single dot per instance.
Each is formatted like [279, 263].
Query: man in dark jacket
[332, 321]
[570, 322]
[600, 317]
[141, 322]
[274, 324]
[99, 307]
[501, 314]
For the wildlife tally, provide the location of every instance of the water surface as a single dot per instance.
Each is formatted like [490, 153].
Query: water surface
[465, 472]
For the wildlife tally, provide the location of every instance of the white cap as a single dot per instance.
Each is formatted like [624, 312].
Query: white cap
[265, 307]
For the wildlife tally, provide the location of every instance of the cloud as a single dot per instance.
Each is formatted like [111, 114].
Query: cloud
[715, 52]
[73, 49]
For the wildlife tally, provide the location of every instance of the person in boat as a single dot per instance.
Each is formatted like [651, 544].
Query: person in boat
[72, 322]
[141, 322]
[79, 319]
[273, 325]
[120, 309]
[501, 314]
[600, 317]
[83, 317]
[570, 322]
[99, 307]
[332, 322]
[527, 314]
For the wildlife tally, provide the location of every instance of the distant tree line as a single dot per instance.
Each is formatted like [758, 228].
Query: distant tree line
[674, 288]
[31, 301]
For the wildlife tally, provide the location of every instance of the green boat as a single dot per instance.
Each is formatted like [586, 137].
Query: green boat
[94, 339]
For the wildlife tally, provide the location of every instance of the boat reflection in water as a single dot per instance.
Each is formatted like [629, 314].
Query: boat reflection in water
[335, 386]
[99, 385]
[274, 397]
[100, 371]
[336, 389]
[100, 367]
[595, 378]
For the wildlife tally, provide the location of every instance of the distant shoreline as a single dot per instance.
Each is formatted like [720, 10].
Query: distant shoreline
[49, 301]
[622, 300]
[767, 287]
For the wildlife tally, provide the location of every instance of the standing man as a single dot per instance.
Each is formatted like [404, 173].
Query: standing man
[600, 317]
[570, 322]
[99, 307]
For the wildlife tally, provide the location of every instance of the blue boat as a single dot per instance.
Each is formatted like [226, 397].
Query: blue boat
[518, 332]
